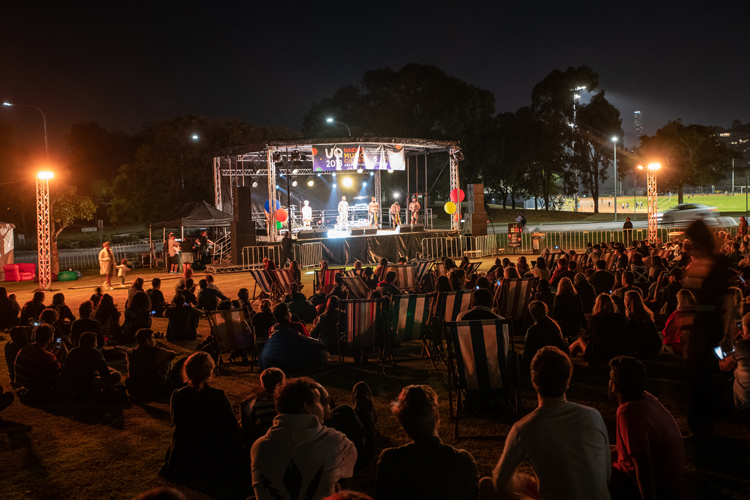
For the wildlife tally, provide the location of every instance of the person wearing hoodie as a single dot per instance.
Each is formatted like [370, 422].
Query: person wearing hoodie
[299, 457]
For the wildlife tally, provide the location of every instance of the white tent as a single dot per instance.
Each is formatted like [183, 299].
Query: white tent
[6, 246]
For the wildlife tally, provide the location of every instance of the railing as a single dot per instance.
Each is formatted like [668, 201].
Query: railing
[252, 257]
[222, 249]
[485, 245]
[87, 258]
[308, 254]
[435, 248]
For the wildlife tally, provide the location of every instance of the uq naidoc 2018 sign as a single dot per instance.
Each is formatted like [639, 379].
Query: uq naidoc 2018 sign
[355, 156]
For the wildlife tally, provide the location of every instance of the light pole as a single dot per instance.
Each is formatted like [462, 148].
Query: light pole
[652, 199]
[331, 120]
[44, 229]
[44, 119]
[614, 140]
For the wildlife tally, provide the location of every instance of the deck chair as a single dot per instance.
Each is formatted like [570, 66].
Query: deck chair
[405, 277]
[361, 328]
[325, 281]
[581, 259]
[609, 259]
[284, 280]
[513, 297]
[354, 272]
[264, 281]
[482, 360]
[356, 286]
[439, 269]
[230, 331]
[474, 268]
[409, 321]
[551, 260]
[422, 268]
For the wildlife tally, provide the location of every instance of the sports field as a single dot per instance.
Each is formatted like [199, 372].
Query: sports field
[722, 202]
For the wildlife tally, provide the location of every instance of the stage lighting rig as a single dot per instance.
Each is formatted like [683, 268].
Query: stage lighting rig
[277, 157]
[359, 170]
[296, 155]
[310, 182]
[255, 184]
[457, 155]
[294, 183]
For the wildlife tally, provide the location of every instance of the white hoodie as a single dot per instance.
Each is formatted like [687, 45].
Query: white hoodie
[300, 459]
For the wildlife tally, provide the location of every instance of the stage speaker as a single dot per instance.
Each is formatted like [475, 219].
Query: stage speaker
[243, 235]
[306, 234]
[242, 205]
[409, 228]
[321, 233]
[371, 230]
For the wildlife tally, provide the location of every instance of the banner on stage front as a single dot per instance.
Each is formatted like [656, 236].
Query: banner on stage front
[356, 156]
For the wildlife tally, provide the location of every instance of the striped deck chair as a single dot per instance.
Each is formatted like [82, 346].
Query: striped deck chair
[513, 298]
[609, 259]
[630, 254]
[482, 360]
[361, 327]
[551, 260]
[439, 269]
[474, 267]
[664, 254]
[451, 304]
[264, 281]
[325, 281]
[354, 272]
[284, 280]
[580, 259]
[405, 277]
[356, 286]
[410, 316]
[422, 268]
[231, 331]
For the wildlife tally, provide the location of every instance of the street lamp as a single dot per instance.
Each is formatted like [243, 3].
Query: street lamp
[44, 229]
[614, 141]
[651, 170]
[44, 119]
[331, 120]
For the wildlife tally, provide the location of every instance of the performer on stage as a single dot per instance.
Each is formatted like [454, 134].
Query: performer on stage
[343, 217]
[307, 215]
[395, 214]
[373, 211]
[414, 208]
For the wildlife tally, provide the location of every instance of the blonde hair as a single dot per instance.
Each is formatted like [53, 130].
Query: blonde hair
[634, 308]
[566, 287]
[685, 299]
[603, 304]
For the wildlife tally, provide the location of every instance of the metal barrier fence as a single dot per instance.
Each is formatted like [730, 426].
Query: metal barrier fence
[253, 256]
[309, 254]
[435, 248]
[88, 258]
[485, 245]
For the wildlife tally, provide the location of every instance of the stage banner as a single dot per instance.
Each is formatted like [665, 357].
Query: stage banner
[355, 156]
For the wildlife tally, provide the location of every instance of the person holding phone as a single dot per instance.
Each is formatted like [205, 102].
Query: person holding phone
[738, 361]
[37, 365]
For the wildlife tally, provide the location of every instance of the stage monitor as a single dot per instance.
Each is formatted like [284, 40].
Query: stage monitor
[306, 234]
[412, 228]
[364, 231]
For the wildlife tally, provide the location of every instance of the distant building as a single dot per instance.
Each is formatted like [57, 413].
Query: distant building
[637, 124]
[736, 138]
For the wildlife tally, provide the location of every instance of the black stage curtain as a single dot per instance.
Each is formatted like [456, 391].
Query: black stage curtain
[344, 251]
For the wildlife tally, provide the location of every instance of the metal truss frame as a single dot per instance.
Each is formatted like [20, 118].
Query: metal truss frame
[44, 233]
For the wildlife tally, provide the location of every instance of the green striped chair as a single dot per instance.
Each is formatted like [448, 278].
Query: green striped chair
[410, 321]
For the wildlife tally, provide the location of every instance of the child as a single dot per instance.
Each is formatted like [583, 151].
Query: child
[16, 307]
[122, 270]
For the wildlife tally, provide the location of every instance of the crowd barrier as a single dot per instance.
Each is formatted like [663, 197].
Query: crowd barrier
[436, 248]
[88, 258]
[252, 257]
[485, 245]
[308, 254]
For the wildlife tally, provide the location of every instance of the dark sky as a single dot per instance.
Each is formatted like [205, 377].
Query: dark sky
[125, 63]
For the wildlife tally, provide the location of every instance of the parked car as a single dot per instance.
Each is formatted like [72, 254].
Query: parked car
[685, 213]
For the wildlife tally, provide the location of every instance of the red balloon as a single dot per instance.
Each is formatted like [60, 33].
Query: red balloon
[281, 215]
[457, 195]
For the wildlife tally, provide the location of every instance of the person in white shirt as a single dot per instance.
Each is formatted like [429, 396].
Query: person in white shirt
[343, 211]
[565, 443]
[299, 457]
[306, 215]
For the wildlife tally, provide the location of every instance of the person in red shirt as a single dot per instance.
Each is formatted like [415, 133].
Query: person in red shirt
[650, 459]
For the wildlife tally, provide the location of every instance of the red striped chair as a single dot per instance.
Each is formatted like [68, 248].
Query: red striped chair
[325, 281]
[361, 328]
[406, 277]
[230, 331]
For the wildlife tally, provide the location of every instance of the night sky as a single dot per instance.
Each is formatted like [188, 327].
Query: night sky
[125, 63]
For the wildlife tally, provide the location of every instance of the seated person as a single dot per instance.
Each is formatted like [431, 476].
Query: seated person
[86, 324]
[148, 365]
[300, 306]
[19, 337]
[739, 362]
[482, 307]
[264, 320]
[158, 304]
[137, 316]
[203, 423]
[183, 320]
[294, 294]
[387, 286]
[8, 311]
[618, 296]
[257, 417]
[288, 349]
[426, 467]
[544, 294]
[368, 276]
[679, 323]
[339, 290]
[563, 441]
[605, 335]
[212, 284]
[50, 317]
[545, 331]
[6, 399]
[298, 440]
[37, 365]
[32, 309]
[208, 298]
[650, 453]
[243, 297]
[326, 326]
[85, 368]
[602, 280]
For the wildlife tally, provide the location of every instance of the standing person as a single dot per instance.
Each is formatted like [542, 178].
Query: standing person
[343, 210]
[395, 213]
[173, 248]
[627, 228]
[566, 443]
[708, 279]
[205, 244]
[286, 249]
[373, 212]
[307, 215]
[122, 270]
[107, 264]
[186, 256]
[742, 230]
[414, 208]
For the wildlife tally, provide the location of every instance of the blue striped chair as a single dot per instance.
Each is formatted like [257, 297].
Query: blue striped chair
[264, 281]
[482, 360]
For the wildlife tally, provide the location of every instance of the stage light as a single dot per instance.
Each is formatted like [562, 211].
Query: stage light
[334, 174]
[364, 184]
[319, 174]
[347, 182]
[294, 170]
[310, 182]
[195, 137]
[334, 185]
[294, 183]
[396, 195]
[277, 186]
[45, 175]
[255, 184]
[295, 155]
[372, 173]
[359, 170]
[390, 171]
[329, 120]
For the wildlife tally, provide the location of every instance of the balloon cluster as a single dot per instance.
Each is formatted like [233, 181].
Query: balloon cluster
[456, 196]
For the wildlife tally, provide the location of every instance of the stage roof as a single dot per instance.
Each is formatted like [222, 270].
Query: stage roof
[196, 215]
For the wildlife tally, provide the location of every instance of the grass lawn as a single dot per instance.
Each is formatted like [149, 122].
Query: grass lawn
[722, 202]
[83, 450]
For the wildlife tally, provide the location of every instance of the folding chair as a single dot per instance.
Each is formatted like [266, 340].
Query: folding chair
[482, 360]
[354, 272]
[581, 259]
[230, 331]
[264, 281]
[474, 268]
[512, 299]
[439, 269]
[405, 277]
[410, 317]
[451, 304]
[422, 268]
[356, 286]
[361, 328]
[325, 281]
[551, 260]
[284, 280]
[609, 259]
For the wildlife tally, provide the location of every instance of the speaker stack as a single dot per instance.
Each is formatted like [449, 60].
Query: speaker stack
[242, 227]
[412, 228]
[364, 231]
[306, 234]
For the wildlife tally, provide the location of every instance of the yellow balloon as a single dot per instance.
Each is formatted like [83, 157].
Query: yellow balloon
[450, 207]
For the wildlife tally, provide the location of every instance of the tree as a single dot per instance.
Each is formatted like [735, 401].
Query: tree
[593, 152]
[67, 207]
[690, 155]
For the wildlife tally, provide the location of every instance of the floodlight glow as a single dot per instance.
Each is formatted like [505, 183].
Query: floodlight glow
[576, 96]
[294, 171]
[195, 137]
[334, 174]
[390, 171]
[396, 195]
[334, 185]
[294, 183]
[614, 139]
[7, 104]
[359, 170]
[348, 182]
[364, 184]
[654, 166]
[255, 184]
[319, 174]
[45, 175]
[640, 167]
[277, 186]
[372, 173]
[329, 120]
[311, 183]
